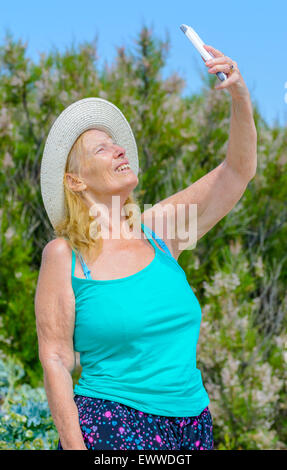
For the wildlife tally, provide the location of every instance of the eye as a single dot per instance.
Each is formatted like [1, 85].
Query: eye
[101, 148]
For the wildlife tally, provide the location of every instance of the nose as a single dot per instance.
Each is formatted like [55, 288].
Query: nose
[119, 151]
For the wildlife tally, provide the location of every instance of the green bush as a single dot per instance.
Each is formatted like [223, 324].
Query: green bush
[25, 417]
[243, 370]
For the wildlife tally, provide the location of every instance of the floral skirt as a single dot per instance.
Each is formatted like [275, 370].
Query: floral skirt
[109, 425]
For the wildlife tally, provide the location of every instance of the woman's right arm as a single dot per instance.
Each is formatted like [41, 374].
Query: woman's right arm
[55, 320]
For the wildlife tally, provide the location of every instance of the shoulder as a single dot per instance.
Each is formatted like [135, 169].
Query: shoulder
[57, 252]
[57, 246]
[55, 270]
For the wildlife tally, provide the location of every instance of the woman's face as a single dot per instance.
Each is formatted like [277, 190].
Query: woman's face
[98, 167]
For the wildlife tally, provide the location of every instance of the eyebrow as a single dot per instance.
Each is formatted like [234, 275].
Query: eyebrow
[95, 146]
[103, 143]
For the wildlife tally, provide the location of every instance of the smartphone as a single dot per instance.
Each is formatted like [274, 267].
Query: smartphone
[198, 44]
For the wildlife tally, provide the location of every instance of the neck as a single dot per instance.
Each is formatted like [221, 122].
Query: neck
[112, 219]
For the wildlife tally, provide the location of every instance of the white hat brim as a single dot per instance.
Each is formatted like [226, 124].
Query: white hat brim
[80, 116]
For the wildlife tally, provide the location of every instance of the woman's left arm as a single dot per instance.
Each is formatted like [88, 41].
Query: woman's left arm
[242, 144]
[217, 192]
[241, 152]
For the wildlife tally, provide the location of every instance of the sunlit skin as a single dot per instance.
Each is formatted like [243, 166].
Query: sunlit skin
[98, 181]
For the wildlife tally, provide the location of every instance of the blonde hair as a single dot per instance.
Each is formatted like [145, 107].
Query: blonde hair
[78, 227]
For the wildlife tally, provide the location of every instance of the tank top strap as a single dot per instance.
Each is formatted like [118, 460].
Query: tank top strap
[163, 245]
[73, 262]
[86, 270]
[150, 233]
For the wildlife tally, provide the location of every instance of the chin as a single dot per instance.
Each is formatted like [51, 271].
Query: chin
[132, 181]
[130, 176]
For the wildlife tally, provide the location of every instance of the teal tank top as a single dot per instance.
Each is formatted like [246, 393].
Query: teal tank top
[137, 338]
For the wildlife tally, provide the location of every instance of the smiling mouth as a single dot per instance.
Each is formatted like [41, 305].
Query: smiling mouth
[123, 168]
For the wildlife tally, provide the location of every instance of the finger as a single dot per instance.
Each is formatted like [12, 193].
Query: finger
[219, 68]
[221, 60]
[216, 52]
[226, 83]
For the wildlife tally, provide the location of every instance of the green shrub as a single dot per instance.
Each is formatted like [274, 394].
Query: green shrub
[243, 371]
[25, 417]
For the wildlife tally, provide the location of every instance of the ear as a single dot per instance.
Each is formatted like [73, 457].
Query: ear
[75, 183]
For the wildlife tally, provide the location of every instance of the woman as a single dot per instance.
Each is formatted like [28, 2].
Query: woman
[124, 301]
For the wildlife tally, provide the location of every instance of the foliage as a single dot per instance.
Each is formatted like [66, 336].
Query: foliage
[244, 371]
[26, 422]
[238, 269]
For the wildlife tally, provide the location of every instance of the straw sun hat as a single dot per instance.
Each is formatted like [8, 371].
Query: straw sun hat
[80, 116]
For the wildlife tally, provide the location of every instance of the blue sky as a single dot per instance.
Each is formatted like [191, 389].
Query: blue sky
[253, 33]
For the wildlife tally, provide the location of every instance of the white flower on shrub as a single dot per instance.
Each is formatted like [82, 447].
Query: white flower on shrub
[63, 96]
[270, 386]
[8, 161]
[259, 267]
[5, 122]
[10, 232]
[221, 282]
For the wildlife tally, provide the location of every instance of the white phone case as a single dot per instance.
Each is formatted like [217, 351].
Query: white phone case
[198, 44]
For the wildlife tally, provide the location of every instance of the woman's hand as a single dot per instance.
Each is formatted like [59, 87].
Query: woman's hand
[221, 63]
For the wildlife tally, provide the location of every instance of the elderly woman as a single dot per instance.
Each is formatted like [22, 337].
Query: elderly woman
[111, 288]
